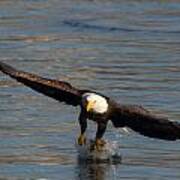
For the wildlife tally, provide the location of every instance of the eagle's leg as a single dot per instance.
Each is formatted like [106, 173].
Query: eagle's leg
[99, 142]
[83, 126]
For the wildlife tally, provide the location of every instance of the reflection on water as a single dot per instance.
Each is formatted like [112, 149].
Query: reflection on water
[128, 50]
[96, 171]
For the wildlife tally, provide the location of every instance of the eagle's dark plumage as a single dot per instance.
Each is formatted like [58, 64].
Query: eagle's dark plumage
[134, 117]
[144, 122]
[58, 90]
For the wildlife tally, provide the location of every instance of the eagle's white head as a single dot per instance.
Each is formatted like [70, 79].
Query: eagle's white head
[94, 103]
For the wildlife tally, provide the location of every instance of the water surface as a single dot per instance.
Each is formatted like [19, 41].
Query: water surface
[128, 50]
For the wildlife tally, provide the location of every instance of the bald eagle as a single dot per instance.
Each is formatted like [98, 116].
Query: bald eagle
[99, 108]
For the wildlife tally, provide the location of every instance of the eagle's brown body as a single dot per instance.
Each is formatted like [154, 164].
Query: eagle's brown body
[134, 117]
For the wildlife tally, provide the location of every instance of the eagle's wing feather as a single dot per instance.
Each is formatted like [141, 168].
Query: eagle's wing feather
[58, 90]
[144, 122]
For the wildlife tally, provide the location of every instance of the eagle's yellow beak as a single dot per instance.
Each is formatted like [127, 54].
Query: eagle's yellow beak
[90, 105]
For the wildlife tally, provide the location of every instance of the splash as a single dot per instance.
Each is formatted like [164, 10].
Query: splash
[109, 153]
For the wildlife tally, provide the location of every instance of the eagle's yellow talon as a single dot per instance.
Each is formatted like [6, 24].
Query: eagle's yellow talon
[99, 144]
[82, 140]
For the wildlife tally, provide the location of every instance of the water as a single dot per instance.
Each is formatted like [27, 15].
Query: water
[128, 50]
[109, 153]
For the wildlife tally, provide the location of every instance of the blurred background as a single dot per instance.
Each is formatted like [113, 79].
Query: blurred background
[128, 50]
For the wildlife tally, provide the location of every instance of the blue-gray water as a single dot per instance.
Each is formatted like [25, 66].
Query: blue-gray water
[129, 50]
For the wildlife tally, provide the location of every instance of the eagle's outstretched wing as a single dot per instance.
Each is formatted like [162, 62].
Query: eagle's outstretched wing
[144, 122]
[58, 90]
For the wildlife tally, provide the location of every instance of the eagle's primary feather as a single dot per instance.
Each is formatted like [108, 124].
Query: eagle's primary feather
[141, 120]
[58, 90]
